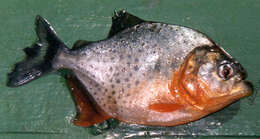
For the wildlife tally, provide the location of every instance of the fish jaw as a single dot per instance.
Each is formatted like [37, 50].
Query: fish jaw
[242, 89]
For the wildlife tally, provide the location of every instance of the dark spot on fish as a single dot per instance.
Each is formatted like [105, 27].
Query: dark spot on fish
[128, 64]
[122, 41]
[158, 30]
[114, 102]
[136, 68]
[128, 94]
[153, 28]
[95, 93]
[99, 89]
[110, 69]
[123, 69]
[112, 58]
[117, 81]
[116, 74]
[137, 82]
[113, 92]
[104, 105]
[119, 97]
[190, 67]
[192, 79]
[173, 65]
[91, 66]
[111, 80]
[136, 60]
[112, 85]
[140, 50]
[129, 56]
[143, 44]
[90, 88]
[150, 77]
[137, 26]
[121, 57]
[105, 90]
[130, 74]
[157, 66]
[109, 97]
[114, 51]
[126, 79]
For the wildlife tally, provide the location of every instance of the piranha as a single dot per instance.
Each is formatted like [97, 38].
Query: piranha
[144, 72]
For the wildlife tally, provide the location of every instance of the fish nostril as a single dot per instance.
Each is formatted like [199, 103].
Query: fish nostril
[241, 71]
[243, 75]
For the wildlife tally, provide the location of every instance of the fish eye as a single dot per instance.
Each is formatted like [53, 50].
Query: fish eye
[225, 71]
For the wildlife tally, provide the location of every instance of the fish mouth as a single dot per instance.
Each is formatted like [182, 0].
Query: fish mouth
[242, 89]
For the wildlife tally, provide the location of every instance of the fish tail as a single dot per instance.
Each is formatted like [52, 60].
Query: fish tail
[40, 57]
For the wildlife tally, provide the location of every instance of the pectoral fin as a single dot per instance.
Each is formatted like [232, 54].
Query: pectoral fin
[88, 113]
[165, 107]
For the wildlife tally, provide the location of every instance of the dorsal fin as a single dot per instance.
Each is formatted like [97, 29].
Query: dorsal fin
[79, 44]
[122, 20]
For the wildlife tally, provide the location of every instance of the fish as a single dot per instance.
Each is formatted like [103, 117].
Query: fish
[144, 72]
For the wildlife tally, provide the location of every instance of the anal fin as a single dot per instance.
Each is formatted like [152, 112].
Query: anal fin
[165, 107]
[88, 113]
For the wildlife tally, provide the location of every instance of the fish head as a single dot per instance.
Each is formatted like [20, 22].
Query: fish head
[212, 79]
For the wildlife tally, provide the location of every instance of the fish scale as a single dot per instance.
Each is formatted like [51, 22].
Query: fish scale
[136, 54]
[144, 72]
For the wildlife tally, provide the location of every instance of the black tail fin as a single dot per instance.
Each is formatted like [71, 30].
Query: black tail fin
[39, 56]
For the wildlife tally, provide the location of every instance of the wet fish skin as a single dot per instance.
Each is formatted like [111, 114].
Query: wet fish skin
[146, 72]
[110, 68]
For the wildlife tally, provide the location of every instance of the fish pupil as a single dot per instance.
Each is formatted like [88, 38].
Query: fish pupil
[226, 71]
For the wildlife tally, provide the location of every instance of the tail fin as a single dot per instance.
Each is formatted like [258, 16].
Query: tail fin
[39, 57]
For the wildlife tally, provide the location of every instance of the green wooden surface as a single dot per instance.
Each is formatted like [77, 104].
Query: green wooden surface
[44, 108]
